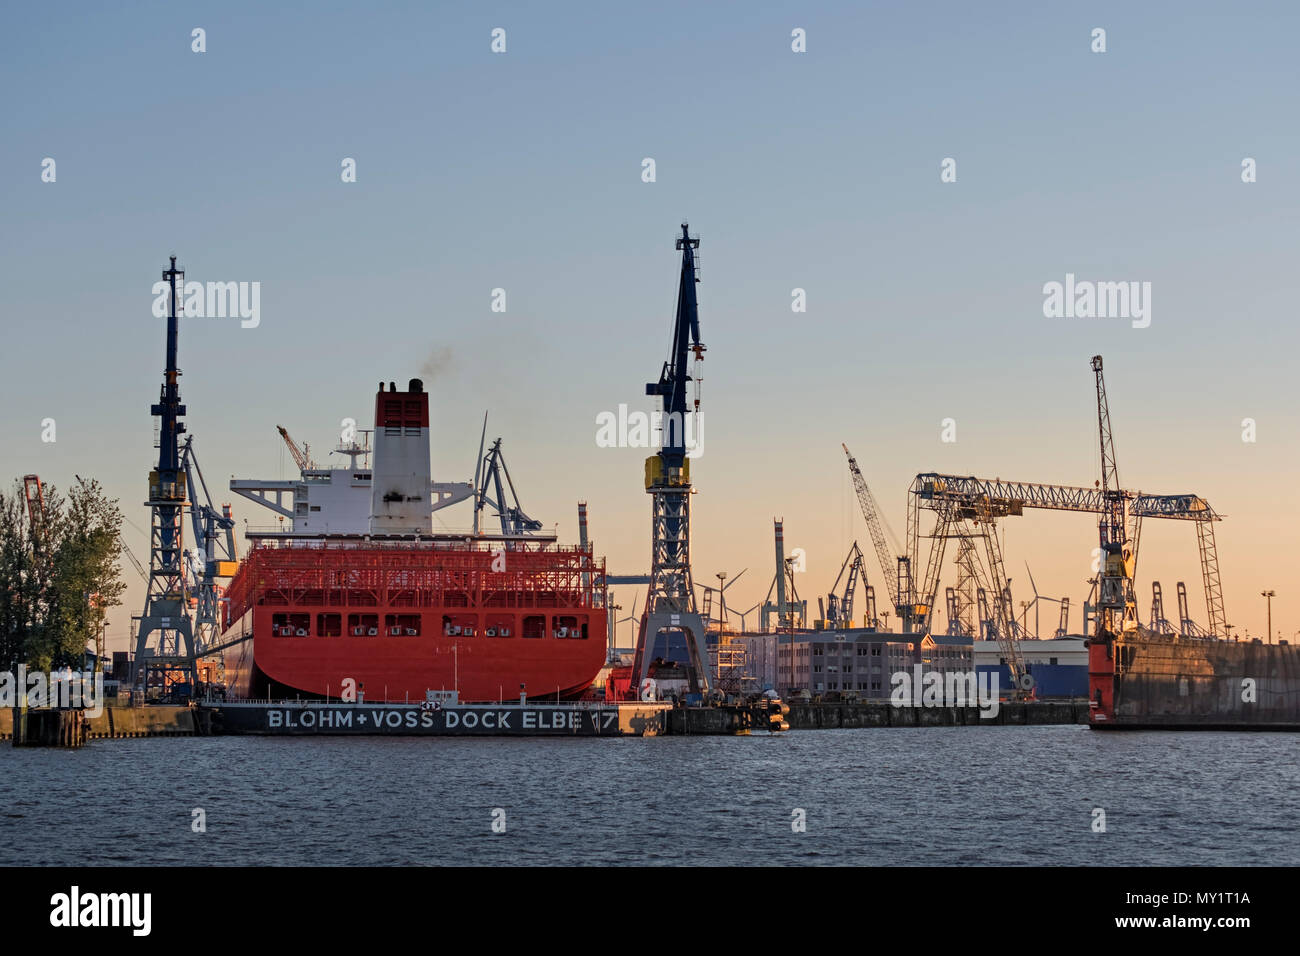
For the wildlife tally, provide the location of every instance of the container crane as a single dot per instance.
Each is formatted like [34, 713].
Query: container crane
[1159, 623]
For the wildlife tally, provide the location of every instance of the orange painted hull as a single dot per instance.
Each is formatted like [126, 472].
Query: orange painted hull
[394, 624]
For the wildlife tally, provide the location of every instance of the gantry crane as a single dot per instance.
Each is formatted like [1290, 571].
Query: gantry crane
[965, 495]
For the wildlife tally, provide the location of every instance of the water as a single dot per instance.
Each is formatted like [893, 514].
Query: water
[1005, 795]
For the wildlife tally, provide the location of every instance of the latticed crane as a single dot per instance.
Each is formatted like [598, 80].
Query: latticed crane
[1116, 604]
[897, 570]
[301, 458]
[670, 601]
[840, 604]
[489, 489]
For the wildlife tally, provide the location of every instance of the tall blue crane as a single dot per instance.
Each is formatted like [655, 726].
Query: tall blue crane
[170, 663]
[669, 643]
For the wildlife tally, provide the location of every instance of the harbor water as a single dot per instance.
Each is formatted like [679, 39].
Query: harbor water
[895, 796]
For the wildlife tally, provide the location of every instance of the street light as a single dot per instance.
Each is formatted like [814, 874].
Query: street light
[1268, 596]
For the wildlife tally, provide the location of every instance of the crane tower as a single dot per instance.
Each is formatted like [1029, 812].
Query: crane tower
[171, 659]
[672, 629]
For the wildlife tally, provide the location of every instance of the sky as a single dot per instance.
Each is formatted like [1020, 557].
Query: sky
[819, 170]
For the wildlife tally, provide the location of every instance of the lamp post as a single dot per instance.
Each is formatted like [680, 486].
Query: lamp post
[1268, 596]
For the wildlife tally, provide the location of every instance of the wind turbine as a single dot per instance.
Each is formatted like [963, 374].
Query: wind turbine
[630, 617]
[744, 613]
[1037, 597]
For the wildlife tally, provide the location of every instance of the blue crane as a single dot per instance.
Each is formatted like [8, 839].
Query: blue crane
[669, 652]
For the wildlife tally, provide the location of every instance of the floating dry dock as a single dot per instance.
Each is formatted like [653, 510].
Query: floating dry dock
[321, 718]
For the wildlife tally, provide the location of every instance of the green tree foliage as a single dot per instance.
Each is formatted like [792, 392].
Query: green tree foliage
[57, 585]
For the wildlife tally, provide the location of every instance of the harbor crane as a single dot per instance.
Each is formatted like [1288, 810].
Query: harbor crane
[897, 570]
[670, 611]
[170, 663]
[1116, 604]
[301, 456]
[213, 561]
[968, 494]
[1159, 623]
[840, 604]
[489, 489]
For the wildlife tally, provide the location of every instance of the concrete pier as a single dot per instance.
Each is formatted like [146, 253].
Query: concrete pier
[113, 722]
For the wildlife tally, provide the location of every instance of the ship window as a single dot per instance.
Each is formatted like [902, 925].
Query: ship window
[534, 626]
[460, 625]
[290, 625]
[402, 625]
[315, 507]
[567, 626]
[329, 625]
[363, 625]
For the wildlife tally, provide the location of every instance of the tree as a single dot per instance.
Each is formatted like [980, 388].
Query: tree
[57, 586]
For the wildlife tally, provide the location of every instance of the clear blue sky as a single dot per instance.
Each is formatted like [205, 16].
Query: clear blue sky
[816, 170]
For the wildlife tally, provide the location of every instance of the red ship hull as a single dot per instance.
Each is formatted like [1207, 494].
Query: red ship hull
[394, 621]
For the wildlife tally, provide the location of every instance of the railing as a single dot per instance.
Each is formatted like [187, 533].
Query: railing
[272, 536]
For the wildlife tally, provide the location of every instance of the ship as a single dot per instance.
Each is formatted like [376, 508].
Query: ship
[357, 599]
[1146, 680]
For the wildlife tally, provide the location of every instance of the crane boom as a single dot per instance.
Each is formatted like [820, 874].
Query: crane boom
[300, 457]
[897, 571]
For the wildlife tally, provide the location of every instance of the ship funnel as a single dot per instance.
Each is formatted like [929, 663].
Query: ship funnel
[400, 501]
